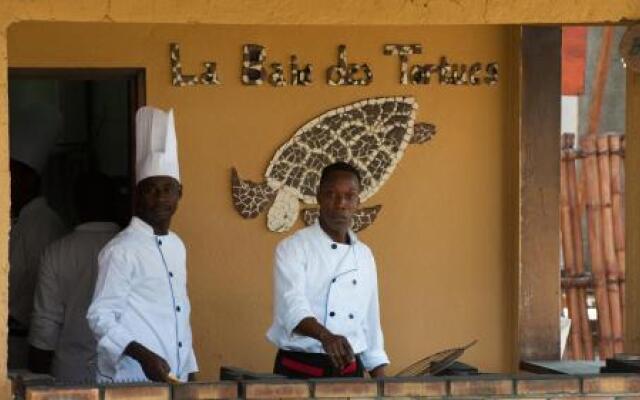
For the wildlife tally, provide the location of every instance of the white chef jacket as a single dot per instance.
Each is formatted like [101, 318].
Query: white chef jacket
[141, 295]
[65, 287]
[36, 227]
[332, 282]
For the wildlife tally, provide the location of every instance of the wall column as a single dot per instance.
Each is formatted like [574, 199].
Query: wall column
[632, 217]
[4, 207]
[538, 272]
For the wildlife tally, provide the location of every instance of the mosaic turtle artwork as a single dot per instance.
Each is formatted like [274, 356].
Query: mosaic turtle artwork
[371, 134]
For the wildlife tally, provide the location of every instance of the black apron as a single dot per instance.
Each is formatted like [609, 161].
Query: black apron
[300, 365]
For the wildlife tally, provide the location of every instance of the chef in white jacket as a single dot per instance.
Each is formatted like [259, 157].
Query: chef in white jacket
[34, 129]
[140, 310]
[61, 342]
[326, 313]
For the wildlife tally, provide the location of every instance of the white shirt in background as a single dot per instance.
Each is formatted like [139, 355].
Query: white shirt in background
[141, 295]
[36, 227]
[64, 291]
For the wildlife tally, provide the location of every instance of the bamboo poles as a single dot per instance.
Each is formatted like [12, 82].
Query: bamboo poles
[608, 247]
[615, 150]
[566, 230]
[601, 162]
[594, 215]
[581, 323]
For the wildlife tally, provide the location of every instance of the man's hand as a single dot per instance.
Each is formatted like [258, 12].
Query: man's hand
[155, 367]
[338, 348]
[39, 360]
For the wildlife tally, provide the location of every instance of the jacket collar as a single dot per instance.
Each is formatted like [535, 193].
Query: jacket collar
[139, 225]
[353, 239]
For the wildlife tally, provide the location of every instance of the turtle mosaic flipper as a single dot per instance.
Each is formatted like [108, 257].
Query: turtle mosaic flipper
[365, 217]
[250, 198]
[370, 134]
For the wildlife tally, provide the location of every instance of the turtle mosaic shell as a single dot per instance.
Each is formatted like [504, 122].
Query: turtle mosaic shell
[371, 134]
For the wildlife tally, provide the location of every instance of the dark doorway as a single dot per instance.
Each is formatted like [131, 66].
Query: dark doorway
[68, 129]
[96, 134]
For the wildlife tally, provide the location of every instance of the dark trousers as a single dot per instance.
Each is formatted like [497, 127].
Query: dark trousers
[300, 365]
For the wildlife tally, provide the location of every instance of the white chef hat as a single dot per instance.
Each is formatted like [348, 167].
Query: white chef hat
[156, 145]
[33, 131]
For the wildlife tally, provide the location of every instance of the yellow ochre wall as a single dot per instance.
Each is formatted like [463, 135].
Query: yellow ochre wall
[391, 245]
[439, 240]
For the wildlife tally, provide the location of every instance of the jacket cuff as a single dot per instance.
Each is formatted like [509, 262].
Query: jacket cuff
[115, 342]
[294, 317]
[43, 335]
[191, 366]
[372, 359]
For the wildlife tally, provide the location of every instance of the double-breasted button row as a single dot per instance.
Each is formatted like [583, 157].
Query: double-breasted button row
[355, 282]
[333, 314]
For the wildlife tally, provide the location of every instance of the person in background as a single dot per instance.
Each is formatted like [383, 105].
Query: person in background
[326, 319]
[61, 343]
[140, 310]
[34, 225]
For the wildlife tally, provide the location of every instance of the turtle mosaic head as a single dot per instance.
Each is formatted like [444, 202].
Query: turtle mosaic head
[370, 134]
[422, 133]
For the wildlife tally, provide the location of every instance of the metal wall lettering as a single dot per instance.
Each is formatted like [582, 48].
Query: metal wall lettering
[447, 73]
[453, 74]
[403, 51]
[208, 77]
[344, 74]
[421, 74]
[444, 71]
[253, 56]
[492, 74]
[458, 74]
[300, 77]
[474, 70]
[276, 77]
[255, 72]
